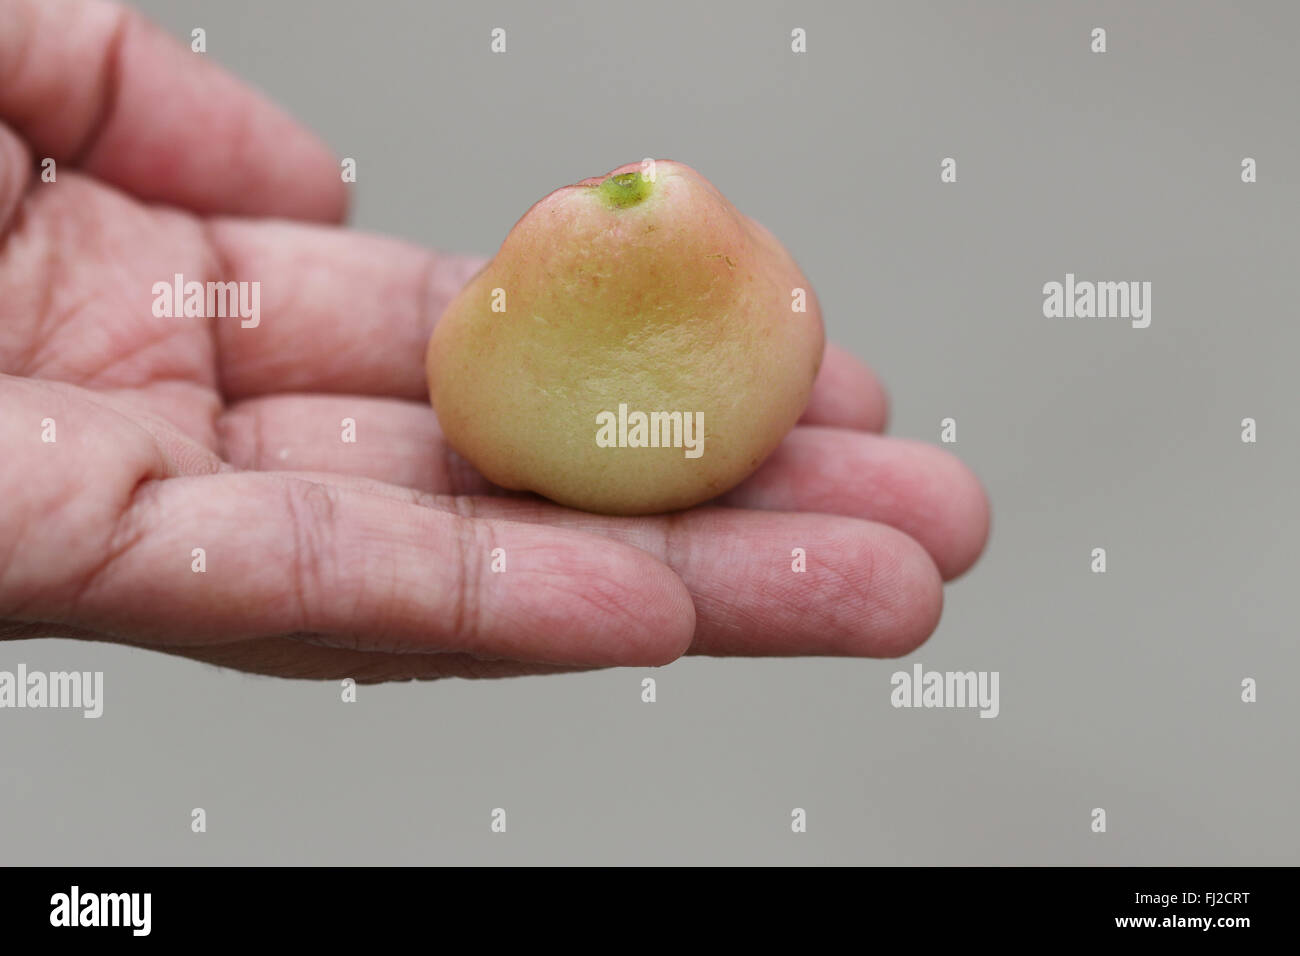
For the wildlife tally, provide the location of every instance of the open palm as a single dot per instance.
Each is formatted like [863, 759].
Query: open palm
[131, 441]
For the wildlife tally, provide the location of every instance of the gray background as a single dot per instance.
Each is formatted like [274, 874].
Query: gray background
[1119, 690]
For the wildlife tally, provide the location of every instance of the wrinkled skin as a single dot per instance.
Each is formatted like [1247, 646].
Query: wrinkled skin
[365, 560]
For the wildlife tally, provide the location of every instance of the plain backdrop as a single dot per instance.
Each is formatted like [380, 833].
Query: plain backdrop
[1119, 690]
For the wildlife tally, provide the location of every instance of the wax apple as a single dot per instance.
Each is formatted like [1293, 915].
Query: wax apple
[637, 345]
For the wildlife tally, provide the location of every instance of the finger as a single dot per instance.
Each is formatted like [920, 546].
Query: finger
[366, 571]
[95, 85]
[15, 172]
[394, 441]
[341, 311]
[922, 490]
[867, 591]
[296, 656]
[919, 489]
[846, 394]
[347, 312]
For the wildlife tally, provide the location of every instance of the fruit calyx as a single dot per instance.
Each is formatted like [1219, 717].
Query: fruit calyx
[625, 189]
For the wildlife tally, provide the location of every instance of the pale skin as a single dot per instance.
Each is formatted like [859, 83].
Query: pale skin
[368, 560]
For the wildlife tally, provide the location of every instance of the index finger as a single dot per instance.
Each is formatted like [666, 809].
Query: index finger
[349, 313]
[365, 570]
[95, 85]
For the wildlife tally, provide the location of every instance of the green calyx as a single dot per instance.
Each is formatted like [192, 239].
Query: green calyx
[625, 189]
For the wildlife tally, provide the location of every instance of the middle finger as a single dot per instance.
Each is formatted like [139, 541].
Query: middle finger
[917, 488]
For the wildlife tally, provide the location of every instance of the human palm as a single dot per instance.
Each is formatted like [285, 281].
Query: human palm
[183, 483]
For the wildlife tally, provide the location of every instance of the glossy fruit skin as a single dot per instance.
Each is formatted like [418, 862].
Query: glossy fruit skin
[674, 302]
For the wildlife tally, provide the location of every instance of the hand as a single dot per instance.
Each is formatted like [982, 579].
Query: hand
[371, 560]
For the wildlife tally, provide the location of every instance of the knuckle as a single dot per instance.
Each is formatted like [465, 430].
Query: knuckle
[314, 567]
